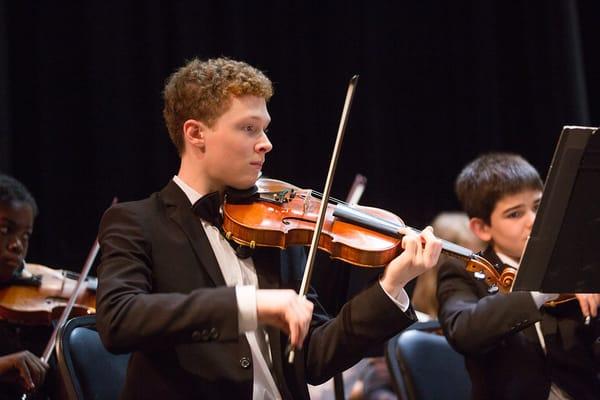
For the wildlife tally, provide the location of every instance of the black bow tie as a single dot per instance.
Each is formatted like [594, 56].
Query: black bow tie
[209, 209]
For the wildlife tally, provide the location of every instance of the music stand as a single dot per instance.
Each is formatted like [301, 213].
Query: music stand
[562, 254]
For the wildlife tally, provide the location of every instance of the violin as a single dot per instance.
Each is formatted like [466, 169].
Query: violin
[277, 214]
[39, 295]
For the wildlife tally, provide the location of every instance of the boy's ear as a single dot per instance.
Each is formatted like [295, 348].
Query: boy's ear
[481, 229]
[194, 133]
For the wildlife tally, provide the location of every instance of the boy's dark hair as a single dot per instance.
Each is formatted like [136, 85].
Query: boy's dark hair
[488, 178]
[12, 190]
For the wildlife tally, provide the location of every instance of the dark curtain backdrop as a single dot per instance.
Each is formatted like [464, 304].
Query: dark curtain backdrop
[440, 83]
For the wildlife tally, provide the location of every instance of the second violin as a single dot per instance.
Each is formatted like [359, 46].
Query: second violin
[40, 293]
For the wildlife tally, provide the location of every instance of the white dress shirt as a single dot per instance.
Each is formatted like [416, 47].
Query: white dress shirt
[241, 274]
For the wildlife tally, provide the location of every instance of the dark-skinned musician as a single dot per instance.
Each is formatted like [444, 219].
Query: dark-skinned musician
[20, 369]
[199, 321]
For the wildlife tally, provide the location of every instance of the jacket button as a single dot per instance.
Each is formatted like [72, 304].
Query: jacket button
[196, 336]
[213, 334]
[245, 362]
[200, 336]
[205, 335]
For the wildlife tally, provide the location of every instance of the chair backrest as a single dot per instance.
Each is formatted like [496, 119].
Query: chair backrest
[87, 369]
[423, 366]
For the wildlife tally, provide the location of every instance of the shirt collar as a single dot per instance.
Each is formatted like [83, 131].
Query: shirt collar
[507, 260]
[190, 192]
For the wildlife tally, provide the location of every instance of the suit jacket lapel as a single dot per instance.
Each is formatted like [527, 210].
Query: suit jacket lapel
[180, 211]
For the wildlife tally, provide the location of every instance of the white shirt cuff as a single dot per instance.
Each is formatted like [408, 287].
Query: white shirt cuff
[246, 303]
[540, 298]
[401, 301]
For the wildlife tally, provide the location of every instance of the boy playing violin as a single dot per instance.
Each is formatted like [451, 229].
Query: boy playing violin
[514, 346]
[200, 321]
[19, 368]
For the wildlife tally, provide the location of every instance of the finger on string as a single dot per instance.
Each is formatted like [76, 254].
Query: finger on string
[410, 244]
[427, 234]
[432, 251]
[405, 230]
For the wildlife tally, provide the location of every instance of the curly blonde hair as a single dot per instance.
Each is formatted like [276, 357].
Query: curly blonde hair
[203, 90]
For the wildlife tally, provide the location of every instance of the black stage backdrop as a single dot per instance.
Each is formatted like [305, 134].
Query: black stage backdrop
[440, 83]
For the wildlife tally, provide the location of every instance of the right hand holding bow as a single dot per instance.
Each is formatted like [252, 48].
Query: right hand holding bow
[286, 310]
[23, 368]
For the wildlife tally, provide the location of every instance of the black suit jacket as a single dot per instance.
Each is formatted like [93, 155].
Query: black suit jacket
[497, 336]
[162, 296]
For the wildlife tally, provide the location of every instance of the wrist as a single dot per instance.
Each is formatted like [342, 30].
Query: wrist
[391, 286]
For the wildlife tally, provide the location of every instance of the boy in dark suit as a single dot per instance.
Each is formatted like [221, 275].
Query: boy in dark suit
[514, 346]
[200, 321]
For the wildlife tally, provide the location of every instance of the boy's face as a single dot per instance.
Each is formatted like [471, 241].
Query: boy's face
[16, 226]
[511, 222]
[236, 144]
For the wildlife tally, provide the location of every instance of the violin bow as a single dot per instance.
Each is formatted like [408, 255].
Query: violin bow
[325, 199]
[87, 266]
[67, 310]
[357, 189]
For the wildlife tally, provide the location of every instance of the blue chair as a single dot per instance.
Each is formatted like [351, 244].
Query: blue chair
[87, 369]
[423, 366]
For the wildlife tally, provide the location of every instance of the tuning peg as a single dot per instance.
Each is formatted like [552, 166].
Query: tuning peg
[479, 275]
[493, 289]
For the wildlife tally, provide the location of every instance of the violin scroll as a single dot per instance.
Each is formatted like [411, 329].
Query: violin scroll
[482, 269]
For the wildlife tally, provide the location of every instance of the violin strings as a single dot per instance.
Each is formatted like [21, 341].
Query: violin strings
[337, 201]
[333, 199]
[449, 246]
